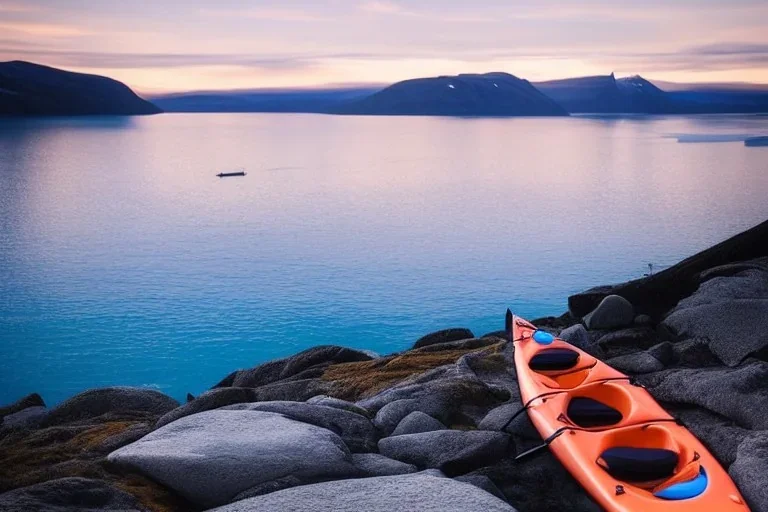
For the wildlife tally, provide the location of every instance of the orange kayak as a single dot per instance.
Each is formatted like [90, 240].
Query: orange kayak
[625, 450]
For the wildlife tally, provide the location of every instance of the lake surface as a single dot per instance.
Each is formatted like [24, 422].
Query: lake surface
[124, 260]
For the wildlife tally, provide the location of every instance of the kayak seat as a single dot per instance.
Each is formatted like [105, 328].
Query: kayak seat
[588, 412]
[638, 464]
[554, 359]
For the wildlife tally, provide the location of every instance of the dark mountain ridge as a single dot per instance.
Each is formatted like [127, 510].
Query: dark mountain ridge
[636, 95]
[606, 94]
[31, 89]
[489, 94]
[321, 101]
[28, 89]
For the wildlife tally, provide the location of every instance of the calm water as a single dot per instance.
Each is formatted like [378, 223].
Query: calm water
[124, 260]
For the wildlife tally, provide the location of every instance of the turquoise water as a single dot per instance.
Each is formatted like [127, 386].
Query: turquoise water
[124, 260]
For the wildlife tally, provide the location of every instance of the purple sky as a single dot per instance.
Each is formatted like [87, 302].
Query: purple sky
[175, 45]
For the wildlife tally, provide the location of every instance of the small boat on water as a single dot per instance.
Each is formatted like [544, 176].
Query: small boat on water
[233, 173]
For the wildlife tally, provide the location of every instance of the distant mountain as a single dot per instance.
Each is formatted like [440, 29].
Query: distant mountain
[490, 94]
[636, 95]
[28, 89]
[606, 94]
[709, 86]
[721, 100]
[266, 100]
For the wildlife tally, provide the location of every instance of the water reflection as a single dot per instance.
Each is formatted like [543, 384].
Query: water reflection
[125, 260]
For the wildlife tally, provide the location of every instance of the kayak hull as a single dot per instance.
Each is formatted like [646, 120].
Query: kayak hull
[698, 482]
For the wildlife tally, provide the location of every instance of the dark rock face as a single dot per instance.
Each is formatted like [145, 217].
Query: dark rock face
[28, 89]
[209, 400]
[25, 418]
[538, 483]
[292, 390]
[374, 464]
[417, 422]
[482, 482]
[577, 336]
[452, 401]
[656, 294]
[96, 402]
[70, 495]
[721, 390]
[626, 341]
[640, 362]
[612, 312]
[491, 94]
[750, 470]
[694, 354]
[329, 401]
[446, 335]
[729, 313]
[317, 358]
[719, 434]
[463, 344]
[33, 400]
[454, 452]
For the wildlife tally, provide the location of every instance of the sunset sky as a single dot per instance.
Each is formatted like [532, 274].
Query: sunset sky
[177, 45]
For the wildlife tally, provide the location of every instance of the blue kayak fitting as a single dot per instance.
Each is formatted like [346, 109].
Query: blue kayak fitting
[685, 490]
[543, 338]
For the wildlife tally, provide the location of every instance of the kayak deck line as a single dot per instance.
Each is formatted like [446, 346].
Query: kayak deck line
[612, 436]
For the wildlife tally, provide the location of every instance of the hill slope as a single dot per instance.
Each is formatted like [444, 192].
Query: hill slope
[288, 100]
[606, 94]
[31, 89]
[490, 94]
[636, 95]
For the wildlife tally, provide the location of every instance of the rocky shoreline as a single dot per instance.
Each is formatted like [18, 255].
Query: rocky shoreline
[336, 429]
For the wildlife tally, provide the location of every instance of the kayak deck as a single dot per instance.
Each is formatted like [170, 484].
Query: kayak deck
[624, 449]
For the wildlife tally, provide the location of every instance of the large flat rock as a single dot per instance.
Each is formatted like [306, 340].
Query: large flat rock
[739, 394]
[355, 430]
[730, 313]
[404, 493]
[212, 456]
